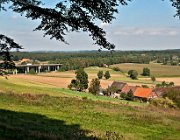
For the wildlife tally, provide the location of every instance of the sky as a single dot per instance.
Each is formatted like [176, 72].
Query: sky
[141, 25]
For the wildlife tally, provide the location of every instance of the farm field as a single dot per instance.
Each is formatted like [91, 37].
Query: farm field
[25, 85]
[40, 107]
[157, 70]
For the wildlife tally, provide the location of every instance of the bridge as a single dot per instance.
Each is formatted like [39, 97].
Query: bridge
[38, 68]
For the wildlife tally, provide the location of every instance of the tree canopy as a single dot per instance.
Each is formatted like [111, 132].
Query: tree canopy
[6, 44]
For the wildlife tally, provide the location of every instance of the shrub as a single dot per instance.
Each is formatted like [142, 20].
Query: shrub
[133, 74]
[32, 71]
[163, 102]
[145, 86]
[153, 78]
[146, 72]
[174, 95]
[116, 69]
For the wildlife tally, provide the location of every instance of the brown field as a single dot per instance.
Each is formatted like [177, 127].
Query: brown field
[175, 80]
[63, 79]
[52, 81]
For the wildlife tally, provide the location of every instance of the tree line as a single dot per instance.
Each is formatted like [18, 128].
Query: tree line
[76, 60]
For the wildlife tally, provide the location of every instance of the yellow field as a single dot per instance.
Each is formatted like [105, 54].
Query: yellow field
[157, 70]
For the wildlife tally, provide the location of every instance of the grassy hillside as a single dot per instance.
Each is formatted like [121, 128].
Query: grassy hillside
[21, 86]
[45, 117]
[157, 70]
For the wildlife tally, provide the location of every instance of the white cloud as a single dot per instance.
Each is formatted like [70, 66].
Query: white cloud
[157, 31]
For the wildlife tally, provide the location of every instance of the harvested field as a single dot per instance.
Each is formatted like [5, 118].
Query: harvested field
[53, 81]
[175, 80]
[157, 70]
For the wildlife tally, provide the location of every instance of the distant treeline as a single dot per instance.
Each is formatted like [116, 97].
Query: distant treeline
[75, 60]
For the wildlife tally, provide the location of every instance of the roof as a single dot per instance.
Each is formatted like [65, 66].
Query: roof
[118, 85]
[127, 88]
[143, 92]
[25, 60]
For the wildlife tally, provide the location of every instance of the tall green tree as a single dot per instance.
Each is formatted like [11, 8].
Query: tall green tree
[100, 74]
[81, 81]
[94, 86]
[107, 75]
[82, 78]
[146, 72]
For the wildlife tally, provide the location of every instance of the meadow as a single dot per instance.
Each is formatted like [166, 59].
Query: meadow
[28, 116]
[157, 70]
[36, 107]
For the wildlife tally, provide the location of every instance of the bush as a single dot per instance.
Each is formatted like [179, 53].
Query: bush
[153, 78]
[32, 71]
[129, 96]
[174, 95]
[116, 69]
[146, 72]
[163, 102]
[145, 86]
[133, 74]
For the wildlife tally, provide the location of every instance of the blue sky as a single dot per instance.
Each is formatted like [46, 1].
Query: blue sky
[142, 25]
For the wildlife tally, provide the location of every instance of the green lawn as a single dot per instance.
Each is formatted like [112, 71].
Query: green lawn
[45, 117]
[157, 70]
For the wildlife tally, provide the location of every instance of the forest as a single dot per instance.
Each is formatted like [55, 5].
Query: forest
[75, 60]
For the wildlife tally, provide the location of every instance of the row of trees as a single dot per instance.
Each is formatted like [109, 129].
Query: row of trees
[81, 81]
[106, 75]
[133, 74]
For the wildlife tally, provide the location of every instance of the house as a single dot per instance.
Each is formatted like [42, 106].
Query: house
[144, 93]
[126, 89]
[161, 91]
[120, 86]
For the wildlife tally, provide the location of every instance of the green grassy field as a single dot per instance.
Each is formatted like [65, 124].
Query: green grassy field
[37, 111]
[157, 70]
[20, 86]
[26, 116]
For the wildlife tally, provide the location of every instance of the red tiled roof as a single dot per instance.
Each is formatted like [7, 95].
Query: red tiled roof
[143, 92]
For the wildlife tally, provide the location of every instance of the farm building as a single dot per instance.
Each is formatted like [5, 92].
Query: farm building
[144, 93]
[120, 86]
